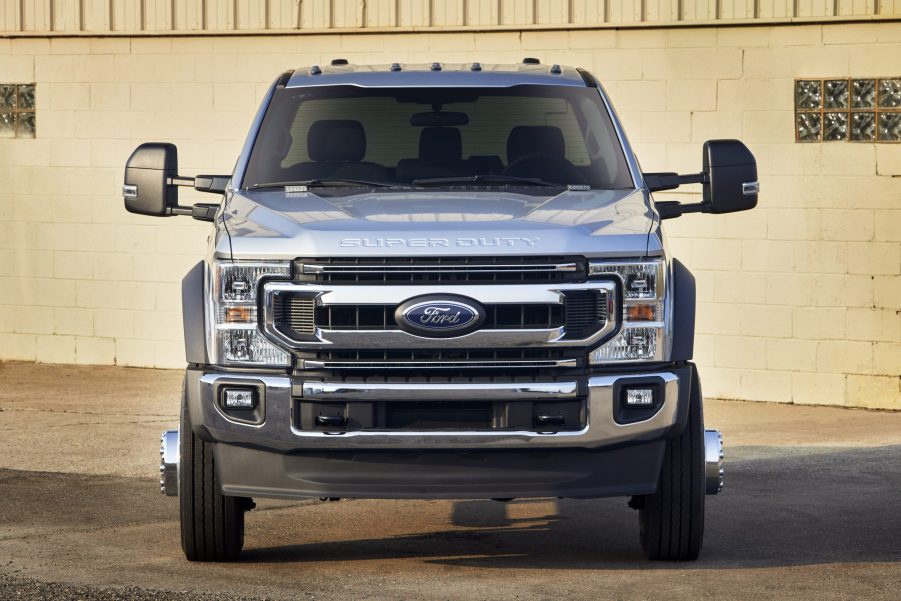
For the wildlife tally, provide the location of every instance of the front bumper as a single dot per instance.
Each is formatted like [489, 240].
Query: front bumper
[275, 459]
[276, 429]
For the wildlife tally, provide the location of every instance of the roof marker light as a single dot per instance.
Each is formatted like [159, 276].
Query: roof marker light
[556, 70]
[315, 70]
[395, 66]
[436, 66]
[476, 67]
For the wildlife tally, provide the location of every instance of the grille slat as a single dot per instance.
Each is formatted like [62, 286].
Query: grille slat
[438, 361]
[300, 314]
[441, 270]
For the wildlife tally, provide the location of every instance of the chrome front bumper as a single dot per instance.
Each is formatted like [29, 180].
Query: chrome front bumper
[278, 432]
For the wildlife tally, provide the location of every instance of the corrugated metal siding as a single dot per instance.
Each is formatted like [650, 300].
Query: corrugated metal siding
[187, 16]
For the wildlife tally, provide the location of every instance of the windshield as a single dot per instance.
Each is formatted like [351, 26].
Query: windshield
[528, 135]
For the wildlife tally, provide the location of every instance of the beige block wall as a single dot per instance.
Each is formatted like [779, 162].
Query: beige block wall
[799, 300]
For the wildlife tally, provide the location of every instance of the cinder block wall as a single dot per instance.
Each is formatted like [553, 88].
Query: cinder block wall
[799, 299]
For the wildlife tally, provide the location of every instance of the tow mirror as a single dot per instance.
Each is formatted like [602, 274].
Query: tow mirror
[148, 171]
[731, 177]
[729, 181]
[152, 181]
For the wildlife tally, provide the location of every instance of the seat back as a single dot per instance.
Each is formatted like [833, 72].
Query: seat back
[440, 155]
[531, 140]
[336, 148]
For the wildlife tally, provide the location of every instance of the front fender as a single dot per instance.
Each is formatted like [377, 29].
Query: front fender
[193, 310]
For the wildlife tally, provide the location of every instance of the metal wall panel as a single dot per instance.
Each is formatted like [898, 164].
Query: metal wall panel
[191, 16]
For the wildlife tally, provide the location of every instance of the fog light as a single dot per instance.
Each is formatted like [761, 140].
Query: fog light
[639, 397]
[238, 398]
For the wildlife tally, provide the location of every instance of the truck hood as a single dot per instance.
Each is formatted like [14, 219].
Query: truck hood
[273, 224]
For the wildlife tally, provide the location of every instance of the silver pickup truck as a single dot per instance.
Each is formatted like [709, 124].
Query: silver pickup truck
[439, 282]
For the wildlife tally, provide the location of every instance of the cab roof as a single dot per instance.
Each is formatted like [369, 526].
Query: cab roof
[403, 75]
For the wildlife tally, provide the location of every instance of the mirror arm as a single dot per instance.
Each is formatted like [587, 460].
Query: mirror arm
[180, 210]
[180, 180]
[201, 211]
[670, 181]
[694, 178]
[668, 209]
[202, 183]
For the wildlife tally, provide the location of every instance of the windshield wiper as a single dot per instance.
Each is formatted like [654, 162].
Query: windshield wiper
[486, 179]
[339, 182]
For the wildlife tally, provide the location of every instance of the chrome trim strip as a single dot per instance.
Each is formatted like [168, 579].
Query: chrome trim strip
[398, 339]
[278, 431]
[420, 391]
[396, 295]
[467, 364]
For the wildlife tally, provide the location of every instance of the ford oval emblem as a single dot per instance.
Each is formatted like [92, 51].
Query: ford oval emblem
[439, 316]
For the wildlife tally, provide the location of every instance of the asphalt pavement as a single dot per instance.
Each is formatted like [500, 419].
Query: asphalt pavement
[811, 510]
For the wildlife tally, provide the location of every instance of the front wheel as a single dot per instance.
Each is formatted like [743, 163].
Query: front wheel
[672, 519]
[212, 524]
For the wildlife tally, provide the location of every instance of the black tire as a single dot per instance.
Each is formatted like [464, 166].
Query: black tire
[212, 524]
[671, 520]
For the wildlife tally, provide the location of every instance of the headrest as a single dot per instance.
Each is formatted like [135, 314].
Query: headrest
[440, 145]
[545, 140]
[335, 140]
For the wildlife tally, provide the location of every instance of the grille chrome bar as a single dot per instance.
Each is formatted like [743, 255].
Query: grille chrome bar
[438, 392]
[527, 364]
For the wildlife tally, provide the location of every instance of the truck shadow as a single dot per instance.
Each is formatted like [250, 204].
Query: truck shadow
[782, 507]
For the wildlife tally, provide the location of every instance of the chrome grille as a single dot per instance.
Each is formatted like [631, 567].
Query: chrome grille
[582, 313]
[576, 315]
[441, 270]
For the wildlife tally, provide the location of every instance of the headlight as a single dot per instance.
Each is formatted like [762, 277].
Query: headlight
[235, 338]
[643, 336]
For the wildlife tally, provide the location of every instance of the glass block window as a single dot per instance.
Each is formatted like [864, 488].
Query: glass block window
[848, 110]
[17, 118]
